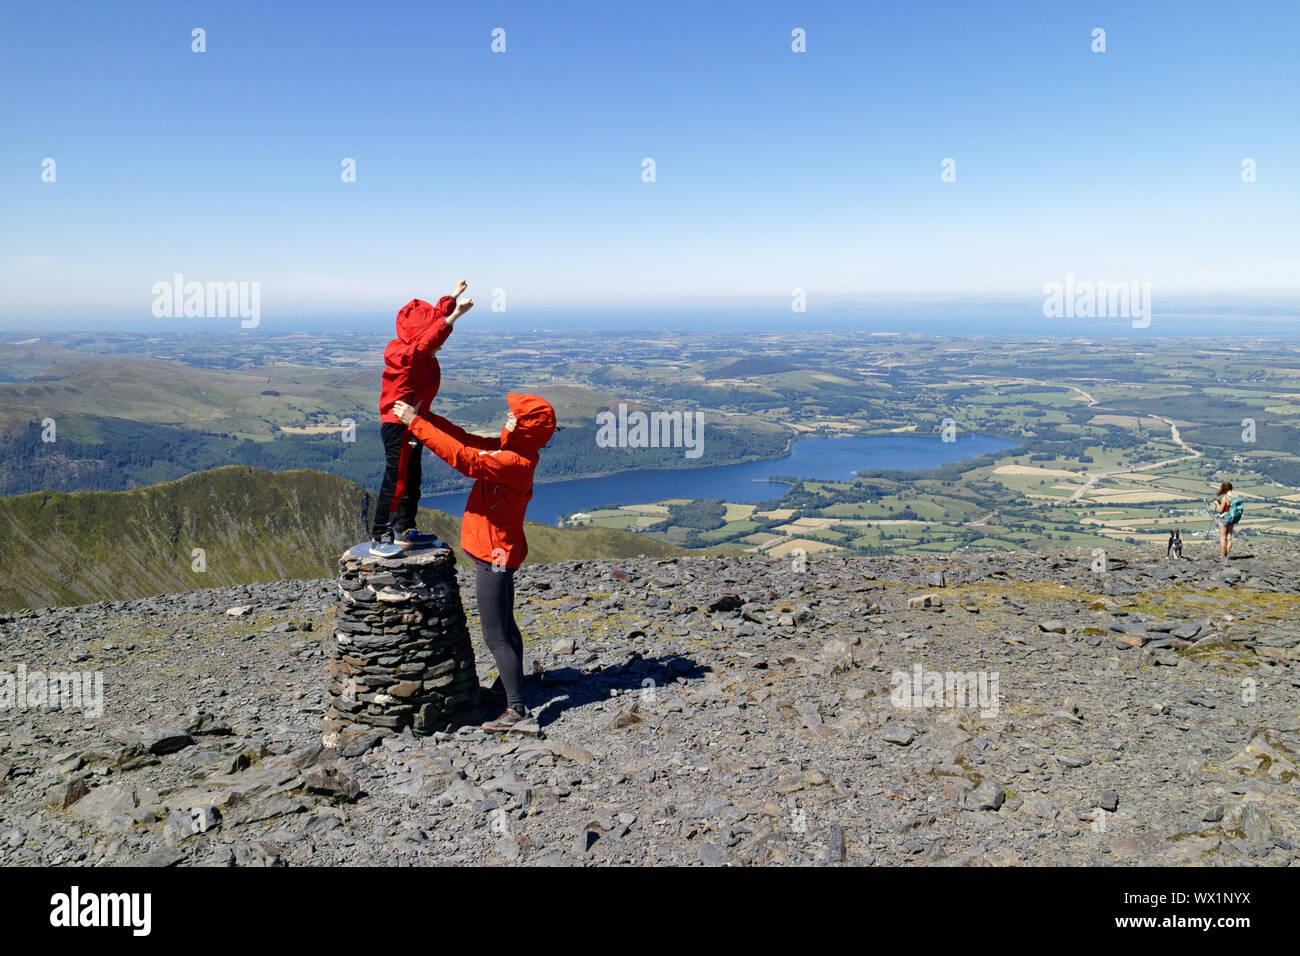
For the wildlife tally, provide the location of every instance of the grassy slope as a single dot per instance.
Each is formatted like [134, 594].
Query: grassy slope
[150, 390]
[252, 525]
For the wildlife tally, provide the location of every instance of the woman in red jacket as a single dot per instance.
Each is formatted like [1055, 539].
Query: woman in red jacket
[492, 531]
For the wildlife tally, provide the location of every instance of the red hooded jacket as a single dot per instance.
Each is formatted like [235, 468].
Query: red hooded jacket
[502, 469]
[411, 370]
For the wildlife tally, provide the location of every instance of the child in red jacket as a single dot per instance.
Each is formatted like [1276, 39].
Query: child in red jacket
[411, 375]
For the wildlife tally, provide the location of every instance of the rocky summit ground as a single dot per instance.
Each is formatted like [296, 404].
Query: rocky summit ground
[714, 710]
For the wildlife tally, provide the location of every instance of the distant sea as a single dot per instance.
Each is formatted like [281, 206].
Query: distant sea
[974, 319]
[1028, 324]
[961, 318]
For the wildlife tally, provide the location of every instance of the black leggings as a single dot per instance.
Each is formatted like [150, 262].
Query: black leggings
[395, 436]
[495, 590]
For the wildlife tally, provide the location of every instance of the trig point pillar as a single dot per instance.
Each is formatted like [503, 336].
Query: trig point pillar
[402, 653]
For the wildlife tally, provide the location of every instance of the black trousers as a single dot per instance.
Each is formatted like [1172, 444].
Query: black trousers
[393, 434]
[495, 590]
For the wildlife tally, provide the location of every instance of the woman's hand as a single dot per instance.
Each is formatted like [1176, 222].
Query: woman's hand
[461, 286]
[404, 411]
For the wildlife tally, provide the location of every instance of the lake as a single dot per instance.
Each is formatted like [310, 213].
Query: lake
[745, 483]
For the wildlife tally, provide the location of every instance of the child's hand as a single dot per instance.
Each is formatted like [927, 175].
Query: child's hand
[404, 411]
[461, 286]
[461, 309]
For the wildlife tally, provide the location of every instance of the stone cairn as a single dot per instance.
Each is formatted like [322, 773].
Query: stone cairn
[402, 653]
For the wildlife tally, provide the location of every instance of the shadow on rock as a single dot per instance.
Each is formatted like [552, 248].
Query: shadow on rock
[564, 688]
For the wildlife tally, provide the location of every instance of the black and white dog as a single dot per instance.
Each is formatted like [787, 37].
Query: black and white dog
[1175, 544]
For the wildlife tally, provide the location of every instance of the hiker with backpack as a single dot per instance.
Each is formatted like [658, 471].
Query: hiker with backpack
[492, 531]
[1227, 509]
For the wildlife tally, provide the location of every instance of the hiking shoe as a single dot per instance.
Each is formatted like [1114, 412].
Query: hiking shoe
[412, 538]
[383, 547]
[509, 717]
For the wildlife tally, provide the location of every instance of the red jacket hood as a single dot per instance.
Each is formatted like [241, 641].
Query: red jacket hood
[534, 423]
[417, 315]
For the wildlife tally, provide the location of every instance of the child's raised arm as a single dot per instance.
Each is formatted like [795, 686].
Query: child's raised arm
[461, 309]
[445, 314]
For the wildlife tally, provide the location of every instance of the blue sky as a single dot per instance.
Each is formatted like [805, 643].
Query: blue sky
[522, 170]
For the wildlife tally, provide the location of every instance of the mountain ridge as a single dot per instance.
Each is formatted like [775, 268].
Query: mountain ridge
[231, 525]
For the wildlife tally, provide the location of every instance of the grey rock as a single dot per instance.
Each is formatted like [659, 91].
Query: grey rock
[711, 854]
[836, 849]
[72, 791]
[987, 796]
[1256, 826]
[1038, 807]
[157, 739]
[109, 808]
[159, 856]
[897, 734]
[331, 781]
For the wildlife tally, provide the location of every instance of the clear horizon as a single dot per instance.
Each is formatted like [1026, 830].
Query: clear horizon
[1179, 318]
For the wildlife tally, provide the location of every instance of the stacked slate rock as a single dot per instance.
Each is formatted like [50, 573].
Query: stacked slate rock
[402, 653]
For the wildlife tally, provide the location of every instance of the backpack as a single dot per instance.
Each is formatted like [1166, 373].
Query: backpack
[1234, 513]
